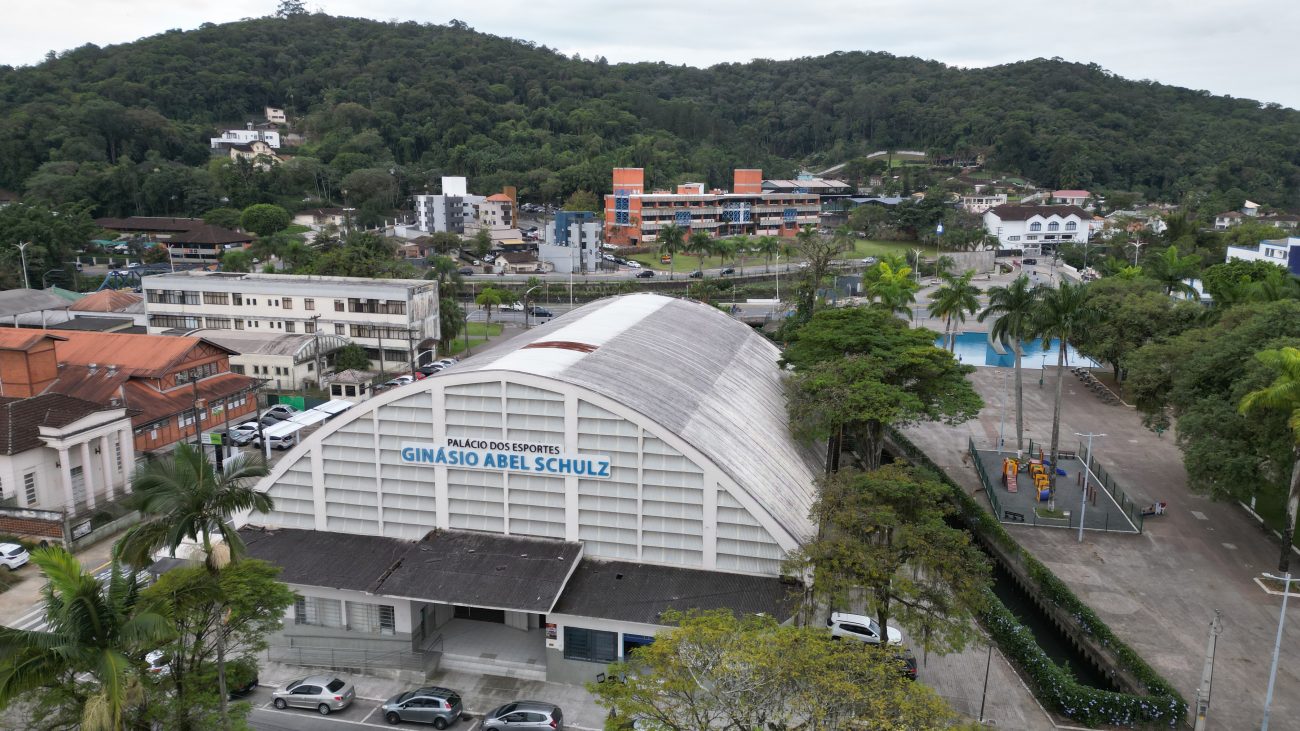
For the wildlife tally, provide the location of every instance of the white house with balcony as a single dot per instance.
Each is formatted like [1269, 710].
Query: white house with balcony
[979, 203]
[1283, 252]
[246, 137]
[1034, 229]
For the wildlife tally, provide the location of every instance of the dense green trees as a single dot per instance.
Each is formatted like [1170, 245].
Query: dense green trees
[1283, 396]
[389, 107]
[1013, 309]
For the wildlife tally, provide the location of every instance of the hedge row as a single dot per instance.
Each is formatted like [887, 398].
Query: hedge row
[1054, 685]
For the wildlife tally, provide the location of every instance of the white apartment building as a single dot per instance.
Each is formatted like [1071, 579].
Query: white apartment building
[981, 203]
[571, 244]
[246, 136]
[396, 316]
[1283, 252]
[1030, 228]
[448, 212]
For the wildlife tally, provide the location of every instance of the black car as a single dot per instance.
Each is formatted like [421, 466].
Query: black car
[645, 274]
[466, 271]
[540, 312]
[727, 272]
[697, 274]
[1030, 262]
[907, 663]
[270, 419]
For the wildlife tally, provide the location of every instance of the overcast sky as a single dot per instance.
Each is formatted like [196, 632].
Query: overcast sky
[1244, 49]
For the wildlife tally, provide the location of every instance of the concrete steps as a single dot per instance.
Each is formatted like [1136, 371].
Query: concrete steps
[492, 666]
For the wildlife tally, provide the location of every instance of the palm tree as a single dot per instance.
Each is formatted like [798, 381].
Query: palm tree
[670, 240]
[93, 629]
[1063, 312]
[1014, 308]
[1173, 270]
[182, 497]
[723, 249]
[768, 247]
[951, 301]
[892, 289]
[1283, 394]
[700, 244]
[740, 245]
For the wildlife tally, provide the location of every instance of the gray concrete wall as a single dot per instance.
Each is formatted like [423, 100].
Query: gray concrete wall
[980, 261]
[573, 672]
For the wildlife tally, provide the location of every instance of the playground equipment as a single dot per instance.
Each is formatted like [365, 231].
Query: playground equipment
[1042, 480]
[1009, 469]
[1157, 508]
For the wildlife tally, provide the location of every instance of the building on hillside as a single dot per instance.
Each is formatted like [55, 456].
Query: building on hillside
[1284, 221]
[61, 454]
[318, 218]
[1227, 220]
[258, 153]
[1283, 252]
[285, 362]
[633, 216]
[496, 215]
[1071, 197]
[448, 212]
[571, 243]
[397, 316]
[1035, 229]
[275, 115]
[189, 241]
[170, 383]
[834, 196]
[980, 203]
[246, 136]
[552, 497]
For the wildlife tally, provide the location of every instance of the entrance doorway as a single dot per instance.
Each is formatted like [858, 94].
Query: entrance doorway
[78, 486]
[480, 614]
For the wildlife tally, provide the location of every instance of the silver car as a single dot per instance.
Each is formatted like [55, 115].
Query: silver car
[525, 715]
[325, 693]
[438, 706]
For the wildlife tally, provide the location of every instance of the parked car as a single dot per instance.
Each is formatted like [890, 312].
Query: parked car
[609, 258]
[513, 307]
[13, 555]
[727, 272]
[283, 441]
[531, 715]
[645, 274]
[540, 312]
[242, 434]
[449, 362]
[269, 419]
[1030, 262]
[466, 271]
[869, 261]
[324, 693]
[282, 411]
[241, 677]
[428, 369]
[859, 627]
[697, 274]
[404, 379]
[631, 264]
[438, 706]
[907, 663]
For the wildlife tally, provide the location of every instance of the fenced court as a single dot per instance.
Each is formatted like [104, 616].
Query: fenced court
[1104, 507]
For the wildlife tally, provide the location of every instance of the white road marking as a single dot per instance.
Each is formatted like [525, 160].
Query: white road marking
[1199, 515]
[330, 718]
[368, 715]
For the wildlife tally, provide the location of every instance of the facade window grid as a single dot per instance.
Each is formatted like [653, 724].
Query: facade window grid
[216, 298]
[318, 612]
[29, 488]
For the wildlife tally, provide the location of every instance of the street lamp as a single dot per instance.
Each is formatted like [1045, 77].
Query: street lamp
[527, 292]
[1137, 246]
[1087, 480]
[1277, 644]
[22, 250]
[918, 265]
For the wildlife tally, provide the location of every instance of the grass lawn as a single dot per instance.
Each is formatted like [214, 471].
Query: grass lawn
[484, 330]
[297, 228]
[687, 263]
[1272, 508]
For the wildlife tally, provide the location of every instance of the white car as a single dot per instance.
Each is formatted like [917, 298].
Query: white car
[861, 628]
[283, 441]
[282, 411]
[13, 555]
[633, 264]
[243, 433]
[513, 307]
[402, 380]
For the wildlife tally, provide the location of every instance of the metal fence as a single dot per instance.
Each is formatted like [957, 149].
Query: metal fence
[1103, 478]
[309, 653]
[989, 488]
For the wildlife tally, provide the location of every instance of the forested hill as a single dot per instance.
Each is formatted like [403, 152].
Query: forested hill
[425, 100]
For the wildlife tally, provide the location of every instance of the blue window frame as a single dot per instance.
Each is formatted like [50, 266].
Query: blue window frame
[791, 215]
[682, 218]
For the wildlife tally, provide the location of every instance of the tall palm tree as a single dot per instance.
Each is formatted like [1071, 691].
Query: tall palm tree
[94, 629]
[183, 497]
[740, 246]
[723, 249]
[1013, 308]
[1173, 271]
[700, 244]
[892, 289]
[1063, 312]
[951, 301]
[670, 239]
[1283, 394]
[768, 247]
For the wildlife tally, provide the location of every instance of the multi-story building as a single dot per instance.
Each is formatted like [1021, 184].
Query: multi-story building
[571, 243]
[245, 136]
[496, 215]
[396, 316]
[981, 202]
[448, 212]
[633, 216]
[1283, 252]
[1034, 229]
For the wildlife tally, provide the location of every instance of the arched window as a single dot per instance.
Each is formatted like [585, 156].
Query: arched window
[1053, 226]
[1071, 225]
[1035, 226]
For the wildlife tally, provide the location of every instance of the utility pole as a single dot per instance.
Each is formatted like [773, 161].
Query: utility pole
[22, 250]
[1277, 644]
[1207, 674]
[1087, 480]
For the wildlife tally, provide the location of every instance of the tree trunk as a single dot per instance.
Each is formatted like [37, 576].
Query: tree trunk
[1056, 411]
[1292, 503]
[221, 675]
[875, 439]
[1020, 401]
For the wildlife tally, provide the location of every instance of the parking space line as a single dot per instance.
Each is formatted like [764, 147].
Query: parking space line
[368, 715]
[327, 718]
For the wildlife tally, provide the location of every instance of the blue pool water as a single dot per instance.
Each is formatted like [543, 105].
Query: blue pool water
[975, 349]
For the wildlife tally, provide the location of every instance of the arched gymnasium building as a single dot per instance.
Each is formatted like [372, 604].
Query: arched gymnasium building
[534, 509]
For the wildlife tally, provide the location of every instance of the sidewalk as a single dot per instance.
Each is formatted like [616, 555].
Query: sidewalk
[26, 594]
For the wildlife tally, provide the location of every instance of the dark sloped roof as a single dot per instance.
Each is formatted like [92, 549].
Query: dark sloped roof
[148, 223]
[1012, 212]
[21, 418]
[452, 567]
[209, 234]
[95, 324]
[21, 301]
[634, 592]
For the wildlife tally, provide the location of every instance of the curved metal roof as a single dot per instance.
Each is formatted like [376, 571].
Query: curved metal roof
[693, 370]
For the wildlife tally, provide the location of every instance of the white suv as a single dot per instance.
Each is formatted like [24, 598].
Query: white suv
[859, 627]
[12, 555]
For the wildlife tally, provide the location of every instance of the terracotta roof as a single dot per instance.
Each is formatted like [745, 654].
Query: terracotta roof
[148, 356]
[519, 257]
[107, 300]
[1229, 214]
[1012, 212]
[209, 234]
[21, 418]
[500, 197]
[154, 405]
[149, 223]
[1070, 194]
[23, 338]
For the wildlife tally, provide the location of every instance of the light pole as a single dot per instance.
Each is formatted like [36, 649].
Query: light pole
[527, 292]
[918, 265]
[22, 250]
[1002, 423]
[1137, 246]
[1207, 675]
[1087, 480]
[778, 279]
[1277, 644]
[46, 274]
[938, 234]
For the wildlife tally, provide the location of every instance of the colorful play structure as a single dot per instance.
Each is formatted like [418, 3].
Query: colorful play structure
[1037, 469]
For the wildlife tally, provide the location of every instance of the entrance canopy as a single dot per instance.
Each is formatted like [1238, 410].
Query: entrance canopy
[447, 567]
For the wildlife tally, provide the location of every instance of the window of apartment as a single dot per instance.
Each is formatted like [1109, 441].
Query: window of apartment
[216, 298]
[1031, 237]
[197, 373]
[1013, 238]
[219, 323]
[340, 306]
[318, 612]
[338, 329]
[309, 327]
[1071, 225]
[308, 303]
[239, 324]
[393, 307]
[29, 488]
[1054, 226]
[287, 303]
[590, 645]
[237, 298]
[289, 326]
[176, 321]
[1035, 226]
[375, 619]
[117, 453]
[237, 369]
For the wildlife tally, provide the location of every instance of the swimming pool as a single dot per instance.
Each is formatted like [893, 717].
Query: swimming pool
[975, 349]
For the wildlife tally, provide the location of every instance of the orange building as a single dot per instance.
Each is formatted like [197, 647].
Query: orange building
[633, 216]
